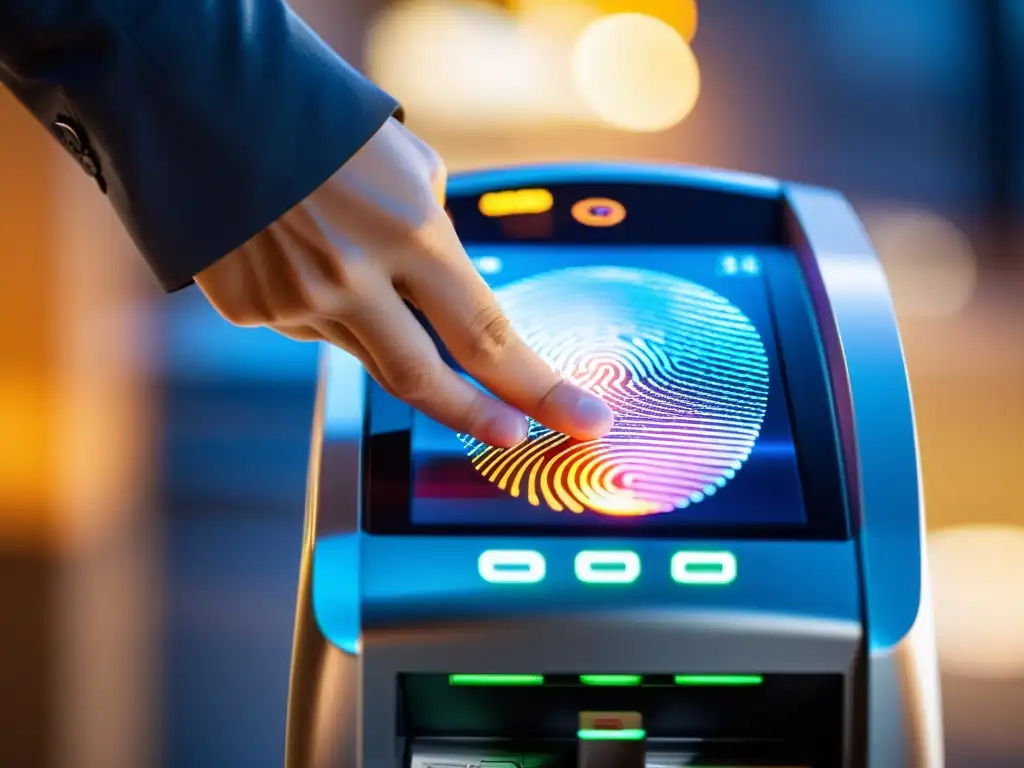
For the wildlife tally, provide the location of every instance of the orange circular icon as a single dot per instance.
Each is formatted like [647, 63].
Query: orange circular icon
[599, 212]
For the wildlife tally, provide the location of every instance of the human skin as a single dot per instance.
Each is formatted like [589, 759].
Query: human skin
[340, 267]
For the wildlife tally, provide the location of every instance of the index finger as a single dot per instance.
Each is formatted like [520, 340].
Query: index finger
[467, 317]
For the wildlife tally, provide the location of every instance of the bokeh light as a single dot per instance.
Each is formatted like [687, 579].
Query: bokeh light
[566, 14]
[468, 65]
[681, 15]
[636, 72]
[930, 263]
[562, 19]
[977, 572]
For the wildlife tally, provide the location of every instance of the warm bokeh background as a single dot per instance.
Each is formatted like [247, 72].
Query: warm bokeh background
[152, 457]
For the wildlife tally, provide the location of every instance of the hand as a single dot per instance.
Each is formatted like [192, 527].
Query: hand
[339, 267]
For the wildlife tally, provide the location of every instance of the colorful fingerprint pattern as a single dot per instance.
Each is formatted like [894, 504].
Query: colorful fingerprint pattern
[683, 369]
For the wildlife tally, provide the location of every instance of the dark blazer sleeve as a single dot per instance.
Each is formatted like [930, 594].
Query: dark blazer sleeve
[203, 120]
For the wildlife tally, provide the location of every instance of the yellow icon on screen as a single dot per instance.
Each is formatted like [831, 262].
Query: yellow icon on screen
[516, 202]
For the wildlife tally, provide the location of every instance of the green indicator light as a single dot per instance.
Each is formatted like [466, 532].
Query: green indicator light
[496, 680]
[703, 567]
[625, 734]
[719, 679]
[610, 679]
[605, 567]
[512, 566]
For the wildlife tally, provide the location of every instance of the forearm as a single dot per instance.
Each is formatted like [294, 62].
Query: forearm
[207, 119]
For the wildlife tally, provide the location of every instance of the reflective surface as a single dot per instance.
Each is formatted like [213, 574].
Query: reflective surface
[661, 351]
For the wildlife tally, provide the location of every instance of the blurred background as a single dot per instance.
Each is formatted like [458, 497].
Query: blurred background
[153, 458]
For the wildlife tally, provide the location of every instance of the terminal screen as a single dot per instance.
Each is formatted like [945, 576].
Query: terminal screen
[681, 344]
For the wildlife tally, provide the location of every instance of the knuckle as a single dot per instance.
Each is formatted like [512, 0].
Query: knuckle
[332, 292]
[438, 178]
[491, 335]
[414, 380]
[414, 232]
[347, 273]
[432, 160]
[439, 171]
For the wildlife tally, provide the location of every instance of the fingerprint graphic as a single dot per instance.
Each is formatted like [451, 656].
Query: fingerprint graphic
[682, 368]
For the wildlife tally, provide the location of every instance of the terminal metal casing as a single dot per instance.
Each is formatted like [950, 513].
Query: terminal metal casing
[344, 692]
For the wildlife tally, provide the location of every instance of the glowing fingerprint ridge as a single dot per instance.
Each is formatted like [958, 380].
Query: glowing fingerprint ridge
[684, 370]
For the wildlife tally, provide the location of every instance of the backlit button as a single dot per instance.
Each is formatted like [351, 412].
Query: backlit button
[696, 567]
[512, 566]
[606, 567]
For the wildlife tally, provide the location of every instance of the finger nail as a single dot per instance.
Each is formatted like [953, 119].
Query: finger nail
[589, 415]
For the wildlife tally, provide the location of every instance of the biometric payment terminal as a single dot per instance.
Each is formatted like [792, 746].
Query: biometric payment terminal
[733, 576]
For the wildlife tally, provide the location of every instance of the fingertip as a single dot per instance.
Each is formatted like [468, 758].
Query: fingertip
[594, 423]
[577, 412]
[596, 427]
[504, 430]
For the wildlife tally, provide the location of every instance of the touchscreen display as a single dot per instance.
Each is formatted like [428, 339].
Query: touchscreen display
[680, 343]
